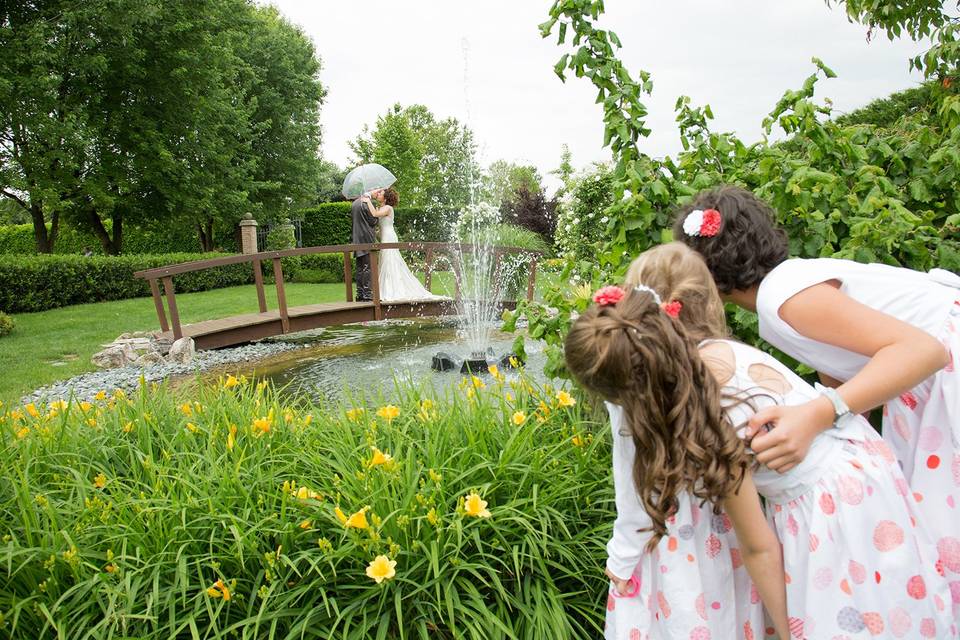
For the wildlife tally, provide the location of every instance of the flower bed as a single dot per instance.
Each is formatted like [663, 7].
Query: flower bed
[232, 513]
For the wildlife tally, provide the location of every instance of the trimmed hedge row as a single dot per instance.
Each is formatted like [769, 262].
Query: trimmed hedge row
[18, 239]
[330, 224]
[38, 283]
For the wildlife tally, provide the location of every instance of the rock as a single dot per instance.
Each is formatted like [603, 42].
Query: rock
[182, 351]
[162, 345]
[149, 358]
[114, 356]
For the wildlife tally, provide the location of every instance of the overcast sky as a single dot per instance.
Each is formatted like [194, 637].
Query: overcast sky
[485, 64]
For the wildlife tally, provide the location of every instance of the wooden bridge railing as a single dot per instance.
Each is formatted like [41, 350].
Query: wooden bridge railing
[431, 249]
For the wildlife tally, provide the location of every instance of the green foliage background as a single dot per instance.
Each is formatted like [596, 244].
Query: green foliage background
[880, 192]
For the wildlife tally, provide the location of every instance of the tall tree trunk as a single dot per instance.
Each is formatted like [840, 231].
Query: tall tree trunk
[117, 232]
[43, 238]
[205, 231]
[96, 225]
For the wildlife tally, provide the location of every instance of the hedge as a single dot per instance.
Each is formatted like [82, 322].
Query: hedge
[38, 283]
[173, 238]
[330, 224]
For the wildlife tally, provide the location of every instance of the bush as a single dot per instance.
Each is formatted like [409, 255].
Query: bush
[148, 239]
[330, 224]
[321, 267]
[6, 324]
[121, 510]
[38, 283]
[581, 222]
[531, 210]
[280, 237]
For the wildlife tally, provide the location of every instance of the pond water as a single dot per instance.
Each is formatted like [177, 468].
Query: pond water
[370, 358]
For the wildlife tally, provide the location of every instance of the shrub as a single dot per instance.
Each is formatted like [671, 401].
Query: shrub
[531, 210]
[6, 324]
[581, 222]
[321, 267]
[127, 509]
[330, 224]
[280, 237]
[37, 283]
[146, 239]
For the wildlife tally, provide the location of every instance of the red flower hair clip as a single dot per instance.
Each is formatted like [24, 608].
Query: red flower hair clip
[704, 223]
[672, 308]
[608, 295]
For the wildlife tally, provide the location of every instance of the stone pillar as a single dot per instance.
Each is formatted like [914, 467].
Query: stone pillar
[248, 234]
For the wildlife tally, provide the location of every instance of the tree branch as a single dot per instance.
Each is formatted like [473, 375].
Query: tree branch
[12, 196]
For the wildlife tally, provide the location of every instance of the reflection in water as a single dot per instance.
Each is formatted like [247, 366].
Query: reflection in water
[366, 359]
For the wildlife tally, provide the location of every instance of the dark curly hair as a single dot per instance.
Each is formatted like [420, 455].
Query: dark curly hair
[391, 197]
[637, 356]
[749, 244]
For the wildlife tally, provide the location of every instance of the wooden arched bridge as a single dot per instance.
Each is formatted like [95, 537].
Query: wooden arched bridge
[255, 326]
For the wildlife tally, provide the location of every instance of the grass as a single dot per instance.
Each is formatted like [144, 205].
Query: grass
[223, 514]
[57, 344]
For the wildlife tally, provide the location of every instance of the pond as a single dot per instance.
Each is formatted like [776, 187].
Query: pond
[369, 358]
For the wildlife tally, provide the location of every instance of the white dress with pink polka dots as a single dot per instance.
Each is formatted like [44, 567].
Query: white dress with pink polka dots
[693, 585]
[922, 426]
[859, 559]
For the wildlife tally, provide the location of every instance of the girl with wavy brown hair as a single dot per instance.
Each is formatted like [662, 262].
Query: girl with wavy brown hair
[680, 394]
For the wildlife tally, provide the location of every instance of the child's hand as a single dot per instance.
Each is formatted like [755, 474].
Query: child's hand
[785, 445]
[622, 586]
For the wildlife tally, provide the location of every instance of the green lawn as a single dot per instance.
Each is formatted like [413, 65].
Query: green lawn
[57, 344]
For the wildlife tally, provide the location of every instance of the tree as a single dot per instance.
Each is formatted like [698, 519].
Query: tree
[565, 171]
[434, 160]
[329, 183]
[503, 180]
[531, 210]
[143, 111]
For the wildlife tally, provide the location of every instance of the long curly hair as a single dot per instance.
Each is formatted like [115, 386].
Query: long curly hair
[391, 197]
[749, 244]
[635, 355]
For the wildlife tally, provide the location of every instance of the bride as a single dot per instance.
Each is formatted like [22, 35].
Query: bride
[397, 282]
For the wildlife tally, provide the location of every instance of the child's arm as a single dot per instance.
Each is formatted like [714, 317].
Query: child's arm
[626, 545]
[760, 551]
[901, 357]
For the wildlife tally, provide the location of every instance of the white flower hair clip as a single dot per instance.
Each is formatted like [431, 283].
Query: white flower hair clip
[702, 222]
[642, 287]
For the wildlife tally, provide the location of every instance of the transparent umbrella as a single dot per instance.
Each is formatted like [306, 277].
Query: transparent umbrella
[367, 177]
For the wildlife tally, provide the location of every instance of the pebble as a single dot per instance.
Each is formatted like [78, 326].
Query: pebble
[87, 385]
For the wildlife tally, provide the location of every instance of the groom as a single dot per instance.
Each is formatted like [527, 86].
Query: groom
[364, 224]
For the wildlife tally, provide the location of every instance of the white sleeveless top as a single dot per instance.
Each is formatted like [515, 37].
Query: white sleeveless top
[387, 232]
[920, 299]
[782, 487]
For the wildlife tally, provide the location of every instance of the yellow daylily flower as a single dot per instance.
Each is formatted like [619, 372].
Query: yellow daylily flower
[436, 477]
[100, 481]
[59, 405]
[192, 428]
[262, 425]
[307, 419]
[478, 383]
[432, 516]
[219, 590]
[231, 437]
[474, 505]
[340, 515]
[577, 441]
[101, 395]
[564, 399]
[231, 382]
[31, 410]
[306, 524]
[127, 428]
[186, 409]
[388, 412]
[355, 414]
[303, 493]
[23, 433]
[514, 362]
[288, 416]
[356, 521]
[519, 417]
[381, 568]
[16, 415]
[380, 457]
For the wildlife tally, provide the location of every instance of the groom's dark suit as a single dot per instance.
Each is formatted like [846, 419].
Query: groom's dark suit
[364, 224]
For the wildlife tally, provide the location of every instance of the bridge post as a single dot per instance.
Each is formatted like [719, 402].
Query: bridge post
[281, 295]
[532, 278]
[158, 304]
[258, 280]
[172, 303]
[375, 282]
[348, 275]
[428, 270]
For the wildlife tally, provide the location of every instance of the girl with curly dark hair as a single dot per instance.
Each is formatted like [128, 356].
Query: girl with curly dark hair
[679, 395]
[877, 334]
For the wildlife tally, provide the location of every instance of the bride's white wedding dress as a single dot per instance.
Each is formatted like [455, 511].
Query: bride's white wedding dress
[397, 282]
